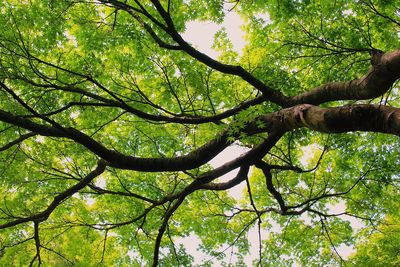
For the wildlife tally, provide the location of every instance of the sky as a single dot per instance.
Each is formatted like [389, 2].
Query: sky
[201, 33]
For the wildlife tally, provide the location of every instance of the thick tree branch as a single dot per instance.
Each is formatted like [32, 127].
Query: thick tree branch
[244, 161]
[37, 241]
[373, 118]
[240, 177]
[249, 158]
[378, 80]
[192, 160]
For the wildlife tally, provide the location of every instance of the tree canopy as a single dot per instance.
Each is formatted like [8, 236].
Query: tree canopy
[109, 119]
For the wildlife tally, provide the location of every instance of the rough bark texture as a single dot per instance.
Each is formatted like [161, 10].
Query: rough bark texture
[371, 118]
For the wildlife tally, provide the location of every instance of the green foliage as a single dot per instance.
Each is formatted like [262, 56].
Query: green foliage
[81, 64]
[380, 248]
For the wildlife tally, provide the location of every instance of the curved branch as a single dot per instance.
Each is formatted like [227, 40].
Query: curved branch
[384, 72]
[116, 159]
[270, 93]
[244, 161]
[240, 177]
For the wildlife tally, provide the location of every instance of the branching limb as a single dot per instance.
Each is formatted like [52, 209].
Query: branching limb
[309, 202]
[192, 160]
[350, 118]
[42, 216]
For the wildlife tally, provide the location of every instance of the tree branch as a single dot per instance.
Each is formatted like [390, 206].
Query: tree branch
[42, 216]
[378, 80]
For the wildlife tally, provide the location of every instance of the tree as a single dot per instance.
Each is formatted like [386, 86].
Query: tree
[109, 119]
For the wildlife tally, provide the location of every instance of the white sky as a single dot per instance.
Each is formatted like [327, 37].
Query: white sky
[229, 154]
[201, 33]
